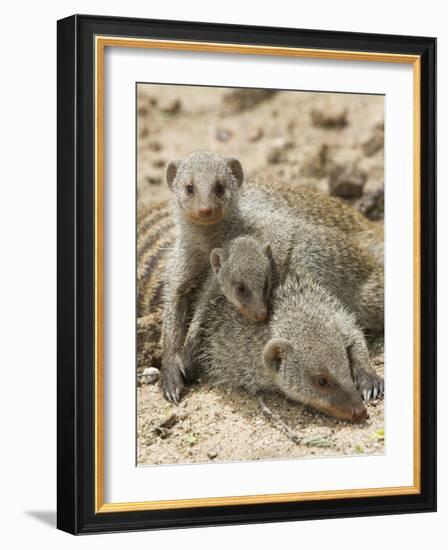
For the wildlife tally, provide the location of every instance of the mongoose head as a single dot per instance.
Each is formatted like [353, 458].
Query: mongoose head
[244, 272]
[310, 362]
[205, 185]
[318, 376]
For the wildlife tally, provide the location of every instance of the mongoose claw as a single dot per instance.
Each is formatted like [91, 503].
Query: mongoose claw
[370, 385]
[172, 382]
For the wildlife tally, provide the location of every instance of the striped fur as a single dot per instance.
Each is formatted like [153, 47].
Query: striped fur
[155, 236]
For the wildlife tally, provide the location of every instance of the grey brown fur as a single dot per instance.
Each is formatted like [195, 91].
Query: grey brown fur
[206, 218]
[210, 210]
[310, 350]
[244, 273]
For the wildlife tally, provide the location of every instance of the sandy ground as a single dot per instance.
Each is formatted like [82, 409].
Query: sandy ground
[331, 141]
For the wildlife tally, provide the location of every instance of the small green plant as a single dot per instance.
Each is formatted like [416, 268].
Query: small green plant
[378, 435]
[191, 439]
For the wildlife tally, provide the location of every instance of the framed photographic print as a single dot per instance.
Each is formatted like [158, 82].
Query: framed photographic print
[246, 274]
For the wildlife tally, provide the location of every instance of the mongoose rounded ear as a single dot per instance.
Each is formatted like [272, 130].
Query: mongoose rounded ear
[217, 257]
[170, 172]
[237, 170]
[267, 250]
[274, 353]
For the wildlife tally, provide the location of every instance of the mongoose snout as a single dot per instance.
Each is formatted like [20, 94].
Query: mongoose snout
[262, 315]
[205, 211]
[256, 316]
[359, 414]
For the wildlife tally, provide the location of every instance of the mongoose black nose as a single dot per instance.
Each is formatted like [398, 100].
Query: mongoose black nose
[359, 413]
[205, 211]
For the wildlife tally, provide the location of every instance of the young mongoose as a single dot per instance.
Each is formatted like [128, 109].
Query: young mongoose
[310, 349]
[210, 210]
[244, 273]
[206, 213]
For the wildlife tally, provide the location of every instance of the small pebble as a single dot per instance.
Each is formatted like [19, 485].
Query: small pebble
[255, 135]
[171, 107]
[212, 454]
[223, 135]
[153, 180]
[150, 375]
[154, 146]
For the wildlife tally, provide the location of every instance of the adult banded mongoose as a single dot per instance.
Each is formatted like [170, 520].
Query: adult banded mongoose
[210, 210]
[310, 349]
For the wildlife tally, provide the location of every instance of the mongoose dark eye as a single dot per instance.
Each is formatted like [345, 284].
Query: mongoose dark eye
[220, 189]
[241, 289]
[321, 381]
[189, 189]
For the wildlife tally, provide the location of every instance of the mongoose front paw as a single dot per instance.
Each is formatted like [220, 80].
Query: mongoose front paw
[369, 384]
[172, 381]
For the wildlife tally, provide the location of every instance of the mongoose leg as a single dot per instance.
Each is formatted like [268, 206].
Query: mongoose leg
[369, 384]
[172, 380]
[174, 332]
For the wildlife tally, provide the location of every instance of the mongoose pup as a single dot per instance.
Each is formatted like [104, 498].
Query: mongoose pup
[244, 273]
[206, 214]
[310, 349]
[210, 210]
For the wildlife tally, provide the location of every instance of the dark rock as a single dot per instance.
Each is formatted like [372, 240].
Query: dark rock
[239, 100]
[171, 107]
[153, 180]
[374, 144]
[154, 146]
[328, 120]
[372, 205]
[347, 182]
[144, 132]
[319, 165]
[277, 152]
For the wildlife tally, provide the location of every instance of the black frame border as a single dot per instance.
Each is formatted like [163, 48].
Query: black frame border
[76, 262]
